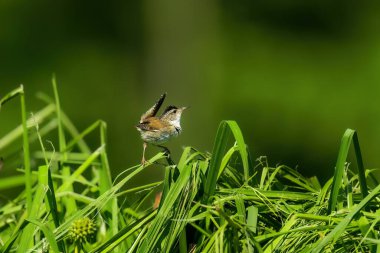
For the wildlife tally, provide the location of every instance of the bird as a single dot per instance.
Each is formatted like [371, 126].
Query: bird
[157, 130]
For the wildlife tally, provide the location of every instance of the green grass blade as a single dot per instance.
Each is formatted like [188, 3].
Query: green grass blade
[26, 237]
[105, 173]
[67, 184]
[183, 159]
[10, 182]
[252, 218]
[341, 227]
[240, 208]
[26, 241]
[218, 153]
[7, 246]
[67, 123]
[347, 138]
[10, 95]
[61, 134]
[255, 194]
[69, 203]
[226, 159]
[16, 133]
[27, 167]
[53, 206]
[123, 234]
[73, 131]
[154, 234]
[220, 144]
[235, 129]
[48, 234]
[79, 136]
[183, 242]
[167, 182]
[361, 169]
[339, 169]
[324, 192]
[182, 212]
[286, 227]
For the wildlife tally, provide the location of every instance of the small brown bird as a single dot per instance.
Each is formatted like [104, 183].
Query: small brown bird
[157, 130]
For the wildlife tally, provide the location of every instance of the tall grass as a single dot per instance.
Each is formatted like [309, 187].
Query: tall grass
[219, 202]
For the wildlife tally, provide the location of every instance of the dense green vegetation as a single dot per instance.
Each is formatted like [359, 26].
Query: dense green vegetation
[300, 69]
[220, 202]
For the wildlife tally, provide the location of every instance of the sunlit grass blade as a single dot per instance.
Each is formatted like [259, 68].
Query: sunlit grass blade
[340, 228]
[67, 184]
[17, 132]
[48, 234]
[123, 234]
[235, 129]
[80, 136]
[7, 246]
[70, 204]
[347, 138]
[26, 237]
[220, 145]
[226, 159]
[167, 182]
[154, 234]
[252, 218]
[104, 170]
[68, 124]
[61, 134]
[27, 167]
[183, 242]
[10, 182]
[361, 169]
[183, 160]
[26, 241]
[10, 95]
[51, 199]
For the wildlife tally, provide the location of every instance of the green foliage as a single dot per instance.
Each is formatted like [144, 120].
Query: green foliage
[218, 202]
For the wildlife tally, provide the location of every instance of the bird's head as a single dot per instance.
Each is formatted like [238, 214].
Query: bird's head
[173, 115]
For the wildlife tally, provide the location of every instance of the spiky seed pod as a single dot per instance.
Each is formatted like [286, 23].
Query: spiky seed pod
[82, 230]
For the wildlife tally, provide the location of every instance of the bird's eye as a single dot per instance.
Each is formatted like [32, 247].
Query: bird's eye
[174, 110]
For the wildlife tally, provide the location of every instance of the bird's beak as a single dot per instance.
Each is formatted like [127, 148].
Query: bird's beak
[184, 108]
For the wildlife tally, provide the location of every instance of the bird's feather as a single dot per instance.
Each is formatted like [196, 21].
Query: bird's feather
[168, 109]
[154, 109]
[151, 124]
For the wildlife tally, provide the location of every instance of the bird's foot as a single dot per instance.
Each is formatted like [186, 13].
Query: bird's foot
[167, 155]
[166, 150]
[143, 161]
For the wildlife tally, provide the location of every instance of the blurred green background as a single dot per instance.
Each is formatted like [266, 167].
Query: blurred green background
[293, 74]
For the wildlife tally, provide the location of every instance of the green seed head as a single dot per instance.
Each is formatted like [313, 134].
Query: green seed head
[83, 230]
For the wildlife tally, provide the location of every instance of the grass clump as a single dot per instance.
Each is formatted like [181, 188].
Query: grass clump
[219, 202]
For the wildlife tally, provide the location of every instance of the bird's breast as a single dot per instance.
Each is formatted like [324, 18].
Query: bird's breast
[160, 136]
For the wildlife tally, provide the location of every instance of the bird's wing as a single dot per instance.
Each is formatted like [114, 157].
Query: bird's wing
[151, 124]
[154, 109]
